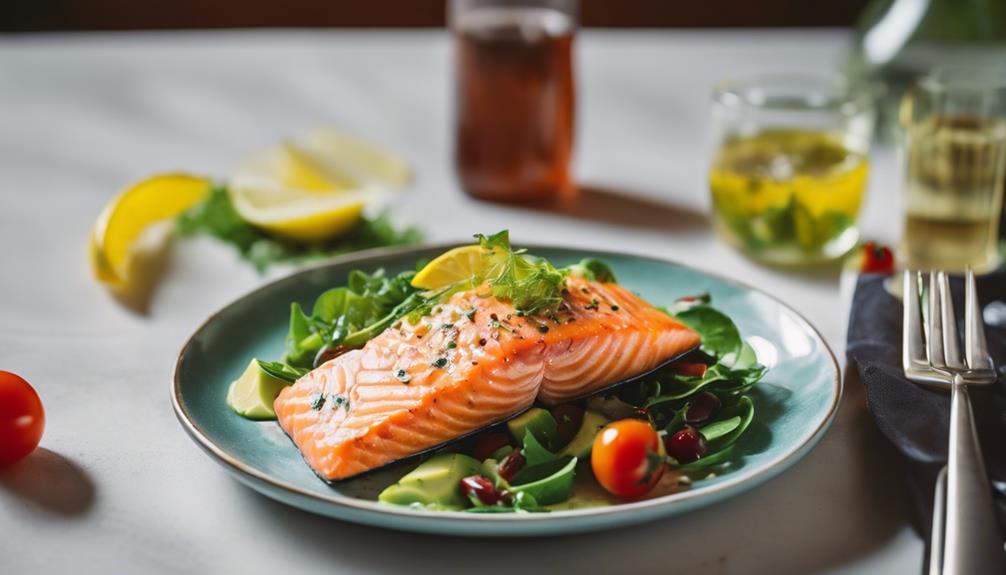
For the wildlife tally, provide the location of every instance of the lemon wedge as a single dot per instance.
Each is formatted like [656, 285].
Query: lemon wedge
[300, 215]
[124, 219]
[463, 264]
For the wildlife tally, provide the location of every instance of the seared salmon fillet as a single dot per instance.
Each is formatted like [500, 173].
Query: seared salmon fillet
[472, 362]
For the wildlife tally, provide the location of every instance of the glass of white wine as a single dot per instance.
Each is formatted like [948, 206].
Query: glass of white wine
[789, 166]
[954, 156]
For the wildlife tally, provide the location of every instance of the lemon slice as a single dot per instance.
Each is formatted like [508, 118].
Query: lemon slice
[120, 224]
[355, 160]
[290, 165]
[464, 264]
[303, 216]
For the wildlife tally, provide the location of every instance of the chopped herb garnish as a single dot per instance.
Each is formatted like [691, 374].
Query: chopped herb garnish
[447, 326]
[452, 344]
[440, 362]
[542, 328]
[615, 308]
[317, 401]
[403, 376]
[470, 314]
[593, 304]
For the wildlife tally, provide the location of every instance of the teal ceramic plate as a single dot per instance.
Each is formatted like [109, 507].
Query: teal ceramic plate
[795, 402]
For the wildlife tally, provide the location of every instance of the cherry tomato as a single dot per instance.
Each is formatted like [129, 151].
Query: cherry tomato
[877, 259]
[22, 418]
[628, 458]
[692, 369]
[489, 443]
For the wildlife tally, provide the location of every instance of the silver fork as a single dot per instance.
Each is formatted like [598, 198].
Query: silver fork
[965, 537]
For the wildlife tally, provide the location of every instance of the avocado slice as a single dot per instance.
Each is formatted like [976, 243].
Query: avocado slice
[252, 395]
[583, 441]
[536, 420]
[436, 481]
[553, 488]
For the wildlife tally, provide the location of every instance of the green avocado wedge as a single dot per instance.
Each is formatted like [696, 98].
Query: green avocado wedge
[536, 420]
[437, 481]
[251, 396]
[583, 441]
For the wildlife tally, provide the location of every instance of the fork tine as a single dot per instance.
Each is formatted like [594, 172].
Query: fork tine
[934, 342]
[951, 345]
[975, 347]
[913, 345]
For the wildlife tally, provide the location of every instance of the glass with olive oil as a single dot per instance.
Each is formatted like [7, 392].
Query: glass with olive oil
[790, 167]
[955, 162]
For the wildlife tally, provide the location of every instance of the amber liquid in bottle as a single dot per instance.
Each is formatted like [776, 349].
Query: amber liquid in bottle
[514, 104]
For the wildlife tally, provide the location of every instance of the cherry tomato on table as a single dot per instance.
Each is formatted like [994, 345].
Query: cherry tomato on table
[877, 259]
[22, 418]
[628, 458]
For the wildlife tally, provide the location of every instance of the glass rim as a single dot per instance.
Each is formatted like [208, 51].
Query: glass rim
[792, 92]
[964, 79]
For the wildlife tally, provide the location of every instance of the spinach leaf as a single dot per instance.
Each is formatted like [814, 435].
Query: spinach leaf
[720, 337]
[350, 316]
[534, 452]
[720, 446]
[718, 429]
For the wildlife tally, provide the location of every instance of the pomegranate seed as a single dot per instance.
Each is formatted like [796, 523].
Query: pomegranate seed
[704, 406]
[511, 464]
[686, 445]
[481, 487]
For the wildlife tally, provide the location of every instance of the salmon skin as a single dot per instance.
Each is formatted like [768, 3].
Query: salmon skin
[473, 362]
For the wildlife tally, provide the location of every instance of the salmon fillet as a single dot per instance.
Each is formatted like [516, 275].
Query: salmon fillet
[471, 363]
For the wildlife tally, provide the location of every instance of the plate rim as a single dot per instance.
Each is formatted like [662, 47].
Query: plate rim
[446, 518]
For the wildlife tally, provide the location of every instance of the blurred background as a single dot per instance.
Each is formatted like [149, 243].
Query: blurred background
[52, 15]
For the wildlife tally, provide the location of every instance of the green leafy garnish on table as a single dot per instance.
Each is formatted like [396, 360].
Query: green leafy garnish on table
[216, 216]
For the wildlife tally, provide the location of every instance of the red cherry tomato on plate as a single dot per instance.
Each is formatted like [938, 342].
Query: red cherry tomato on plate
[877, 259]
[628, 458]
[22, 418]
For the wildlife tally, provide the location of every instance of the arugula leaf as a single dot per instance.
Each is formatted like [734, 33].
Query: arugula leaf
[531, 284]
[215, 216]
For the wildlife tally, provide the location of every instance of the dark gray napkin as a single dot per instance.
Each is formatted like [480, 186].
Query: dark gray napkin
[916, 420]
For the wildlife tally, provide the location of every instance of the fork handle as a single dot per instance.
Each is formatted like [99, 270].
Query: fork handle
[973, 544]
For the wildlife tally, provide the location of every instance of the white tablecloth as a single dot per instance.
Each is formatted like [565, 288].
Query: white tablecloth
[122, 489]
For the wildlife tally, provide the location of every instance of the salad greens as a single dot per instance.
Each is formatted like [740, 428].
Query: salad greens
[215, 216]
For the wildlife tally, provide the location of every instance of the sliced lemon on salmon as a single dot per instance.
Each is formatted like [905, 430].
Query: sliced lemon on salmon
[125, 218]
[303, 216]
[463, 264]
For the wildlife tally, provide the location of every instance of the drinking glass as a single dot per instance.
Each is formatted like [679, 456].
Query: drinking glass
[954, 155]
[514, 97]
[789, 166]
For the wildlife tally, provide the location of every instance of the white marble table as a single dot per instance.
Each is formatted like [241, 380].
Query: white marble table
[122, 489]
